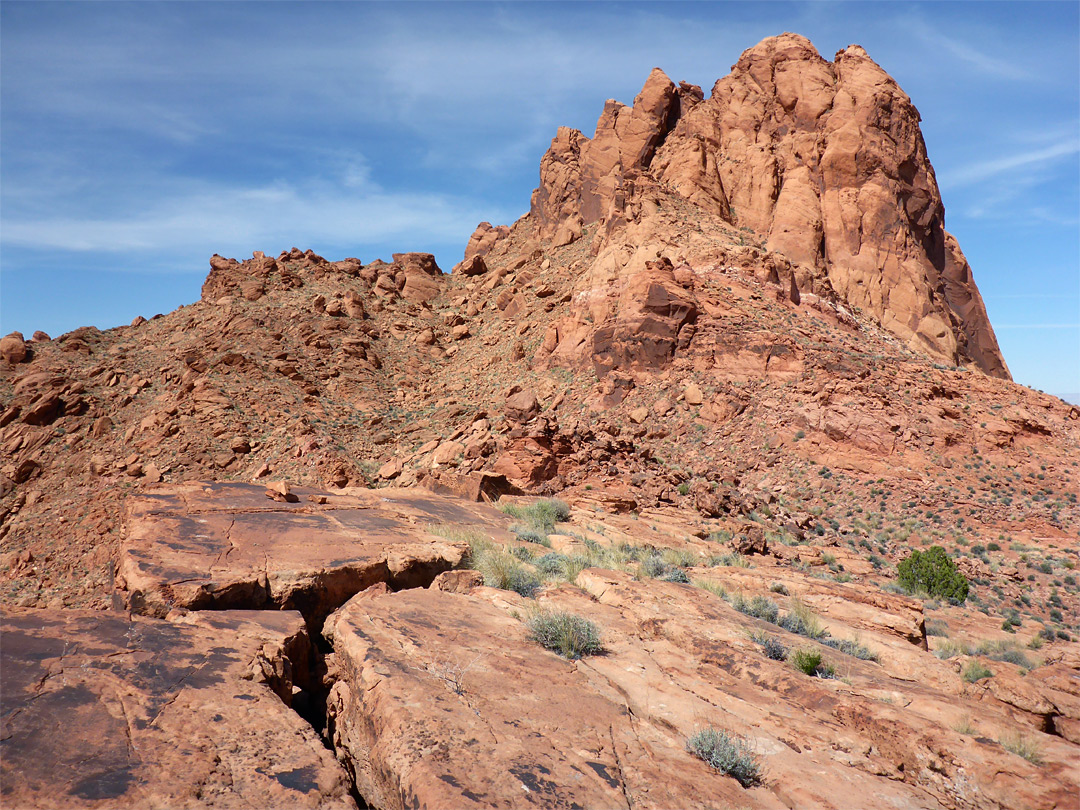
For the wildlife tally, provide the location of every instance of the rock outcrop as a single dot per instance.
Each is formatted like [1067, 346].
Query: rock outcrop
[823, 161]
[244, 550]
[104, 709]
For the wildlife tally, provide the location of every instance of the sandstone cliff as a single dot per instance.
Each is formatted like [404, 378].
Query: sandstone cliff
[822, 161]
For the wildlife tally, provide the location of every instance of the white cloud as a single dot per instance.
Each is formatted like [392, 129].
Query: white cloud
[987, 169]
[999, 66]
[207, 218]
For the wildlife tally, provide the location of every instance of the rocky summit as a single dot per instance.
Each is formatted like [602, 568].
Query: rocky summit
[703, 484]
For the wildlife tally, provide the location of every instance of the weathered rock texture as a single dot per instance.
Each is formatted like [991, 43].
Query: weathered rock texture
[445, 701]
[218, 546]
[823, 160]
[110, 710]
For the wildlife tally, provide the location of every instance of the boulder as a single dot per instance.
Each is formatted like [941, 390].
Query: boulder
[522, 406]
[13, 349]
[471, 267]
[423, 278]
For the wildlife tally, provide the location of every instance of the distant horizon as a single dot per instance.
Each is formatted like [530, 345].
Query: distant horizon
[139, 139]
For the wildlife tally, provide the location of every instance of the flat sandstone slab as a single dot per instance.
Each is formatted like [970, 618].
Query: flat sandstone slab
[442, 700]
[220, 546]
[106, 710]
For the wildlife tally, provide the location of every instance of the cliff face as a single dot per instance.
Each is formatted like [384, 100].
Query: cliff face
[823, 161]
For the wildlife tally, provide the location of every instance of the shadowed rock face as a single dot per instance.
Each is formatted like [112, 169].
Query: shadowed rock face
[824, 160]
[106, 710]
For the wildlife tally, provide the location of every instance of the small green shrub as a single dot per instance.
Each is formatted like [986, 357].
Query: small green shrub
[965, 726]
[1004, 651]
[459, 534]
[733, 560]
[666, 565]
[680, 558]
[976, 671]
[530, 535]
[715, 588]
[810, 662]
[803, 622]
[727, 753]
[937, 627]
[950, 648]
[568, 634]
[551, 564]
[541, 515]
[931, 572]
[684, 488]
[675, 575]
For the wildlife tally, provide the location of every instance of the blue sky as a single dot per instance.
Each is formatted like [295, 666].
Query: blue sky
[136, 139]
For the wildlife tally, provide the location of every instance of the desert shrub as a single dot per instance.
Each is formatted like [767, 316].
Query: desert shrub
[551, 563]
[459, 534]
[937, 627]
[1004, 651]
[774, 649]
[803, 622]
[665, 566]
[565, 566]
[680, 558]
[811, 663]
[976, 671]
[541, 515]
[727, 753]
[652, 567]
[521, 553]
[950, 648]
[502, 570]
[933, 573]
[568, 634]
[735, 560]
[530, 535]
[715, 588]
[779, 587]
[760, 607]
[965, 726]
[675, 575]
[1022, 746]
[851, 647]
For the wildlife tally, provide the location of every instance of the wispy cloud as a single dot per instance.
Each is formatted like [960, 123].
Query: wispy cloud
[991, 65]
[988, 169]
[207, 218]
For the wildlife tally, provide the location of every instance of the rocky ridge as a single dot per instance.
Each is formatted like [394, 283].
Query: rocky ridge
[650, 344]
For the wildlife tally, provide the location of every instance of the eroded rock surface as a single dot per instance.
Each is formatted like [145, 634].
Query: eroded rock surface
[444, 700]
[221, 546]
[103, 709]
